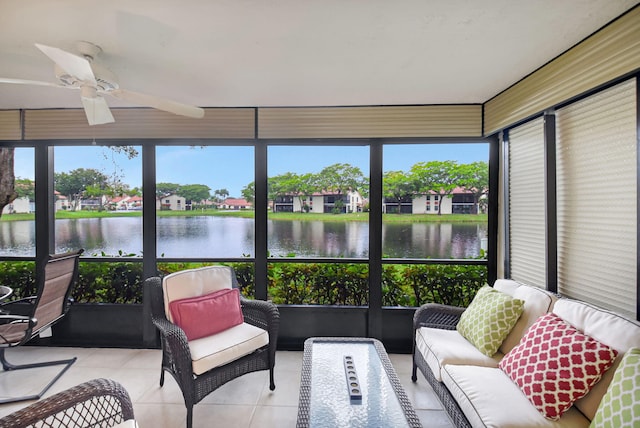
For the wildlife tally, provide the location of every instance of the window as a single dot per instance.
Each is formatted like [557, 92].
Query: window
[421, 181]
[17, 225]
[105, 185]
[205, 186]
[317, 209]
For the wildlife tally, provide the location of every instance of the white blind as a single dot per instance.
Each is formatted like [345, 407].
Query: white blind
[597, 197]
[527, 204]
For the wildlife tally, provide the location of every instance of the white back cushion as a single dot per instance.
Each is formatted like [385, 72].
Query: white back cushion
[606, 327]
[193, 283]
[537, 302]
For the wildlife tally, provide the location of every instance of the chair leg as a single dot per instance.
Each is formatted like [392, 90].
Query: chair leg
[272, 384]
[161, 377]
[414, 371]
[7, 366]
[189, 416]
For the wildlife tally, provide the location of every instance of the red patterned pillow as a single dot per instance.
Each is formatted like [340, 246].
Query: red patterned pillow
[554, 364]
[212, 313]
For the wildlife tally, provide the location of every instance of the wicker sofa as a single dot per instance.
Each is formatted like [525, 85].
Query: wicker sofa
[472, 387]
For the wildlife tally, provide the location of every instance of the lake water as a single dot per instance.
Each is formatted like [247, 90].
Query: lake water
[231, 237]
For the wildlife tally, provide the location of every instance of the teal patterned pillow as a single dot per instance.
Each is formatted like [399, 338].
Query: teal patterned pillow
[489, 319]
[620, 406]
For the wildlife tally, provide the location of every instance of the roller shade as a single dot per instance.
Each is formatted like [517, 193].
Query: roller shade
[371, 122]
[527, 204]
[140, 123]
[10, 125]
[597, 198]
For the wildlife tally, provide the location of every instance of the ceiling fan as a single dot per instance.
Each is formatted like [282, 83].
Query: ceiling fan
[81, 72]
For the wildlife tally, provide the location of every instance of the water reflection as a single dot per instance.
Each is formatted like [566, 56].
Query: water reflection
[234, 237]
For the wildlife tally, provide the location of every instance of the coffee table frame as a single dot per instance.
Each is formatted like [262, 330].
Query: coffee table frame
[304, 401]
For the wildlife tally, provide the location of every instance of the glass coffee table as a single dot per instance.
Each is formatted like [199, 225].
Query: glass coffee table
[350, 382]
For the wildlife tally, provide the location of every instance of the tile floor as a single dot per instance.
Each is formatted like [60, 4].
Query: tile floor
[245, 402]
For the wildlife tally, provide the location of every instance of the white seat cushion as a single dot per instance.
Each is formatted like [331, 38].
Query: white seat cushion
[489, 399]
[228, 345]
[440, 347]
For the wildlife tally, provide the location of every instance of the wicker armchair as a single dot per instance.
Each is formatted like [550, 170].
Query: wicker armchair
[98, 403]
[177, 356]
[435, 315]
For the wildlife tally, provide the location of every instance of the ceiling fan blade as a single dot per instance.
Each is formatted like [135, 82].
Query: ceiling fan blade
[97, 110]
[158, 103]
[28, 82]
[73, 64]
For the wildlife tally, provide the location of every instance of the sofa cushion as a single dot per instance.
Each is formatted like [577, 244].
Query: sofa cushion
[554, 364]
[489, 319]
[537, 302]
[489, 398]
[607, 327]
[620, 406]
[194, 282]
[212, 313]
[439, 347]
[228, 345]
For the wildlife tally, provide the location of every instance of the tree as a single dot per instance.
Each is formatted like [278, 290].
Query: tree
[397, 185]
[474, 178]
[7, 179]
[439, 177]
[341, 178]
[249, 192]
[195, 192]
[74, 184]
[292, 184]
[221, 194]
[25, 188]
[166, 189]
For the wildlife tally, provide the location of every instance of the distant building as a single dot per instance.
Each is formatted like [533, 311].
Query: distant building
[171, 203]
[19, 206]
[125, 203]
[459, 202]
[325, 202]
[235, 204]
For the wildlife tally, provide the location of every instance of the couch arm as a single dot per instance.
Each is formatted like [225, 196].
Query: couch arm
[98, 402]
[436, 315]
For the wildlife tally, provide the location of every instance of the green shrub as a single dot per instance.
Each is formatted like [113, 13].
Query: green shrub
[288, 283]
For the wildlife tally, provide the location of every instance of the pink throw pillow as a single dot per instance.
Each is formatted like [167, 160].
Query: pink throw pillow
[555, 364]
[209, 314]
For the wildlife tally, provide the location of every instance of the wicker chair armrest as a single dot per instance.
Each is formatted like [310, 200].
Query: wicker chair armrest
[265, 315]
[260, 313]
[436, 315]
[98, 402]
[177, 347]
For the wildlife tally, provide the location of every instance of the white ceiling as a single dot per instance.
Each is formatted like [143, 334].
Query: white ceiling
[296, 52]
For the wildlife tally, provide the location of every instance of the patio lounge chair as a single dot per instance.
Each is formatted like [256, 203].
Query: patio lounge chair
[214, 344]
[22, 320]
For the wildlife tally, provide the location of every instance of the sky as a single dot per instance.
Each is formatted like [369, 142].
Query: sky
[231, 168]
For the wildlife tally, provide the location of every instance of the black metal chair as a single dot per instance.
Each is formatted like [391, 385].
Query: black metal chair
[96, 403]
[26, 318]
[195, 380]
